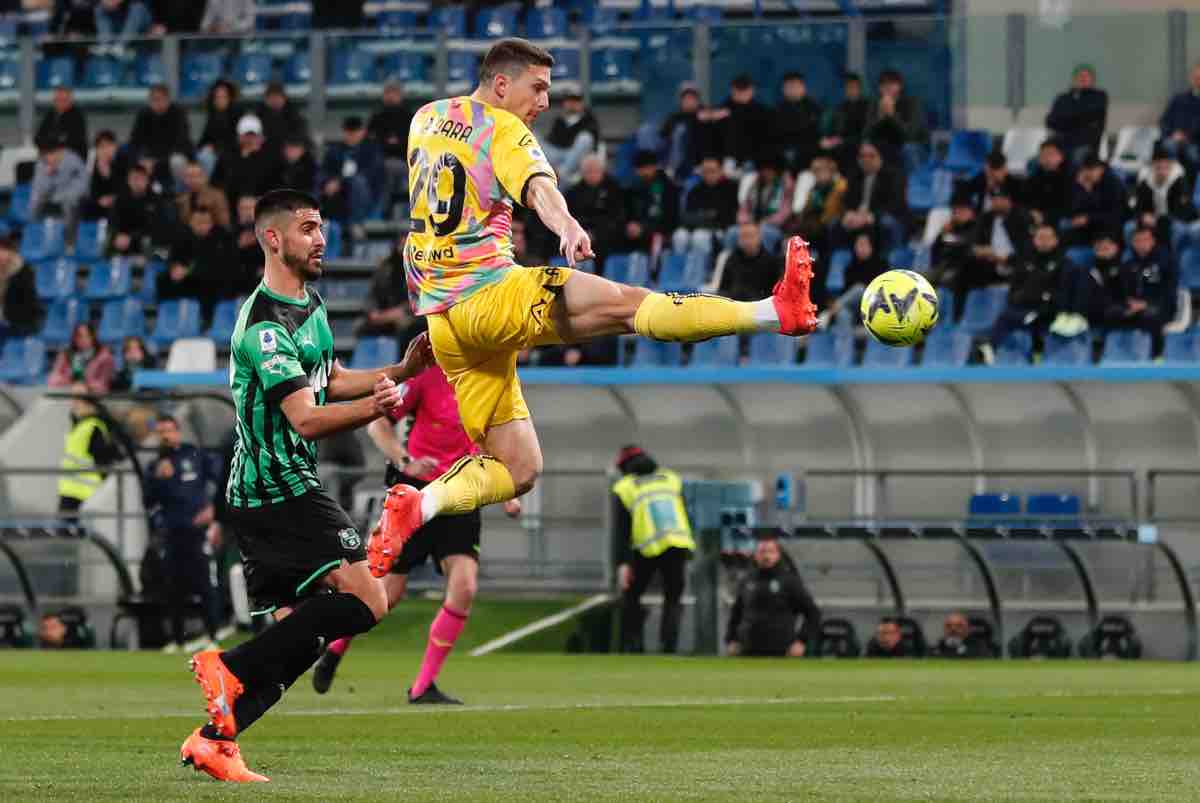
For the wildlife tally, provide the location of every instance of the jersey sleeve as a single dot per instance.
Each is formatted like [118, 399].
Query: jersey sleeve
[273, 358]
[518, 157]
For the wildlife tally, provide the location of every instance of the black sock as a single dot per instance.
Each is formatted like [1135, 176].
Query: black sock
[282, 652]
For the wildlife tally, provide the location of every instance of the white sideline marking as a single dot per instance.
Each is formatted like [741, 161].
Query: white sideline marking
[540, 625]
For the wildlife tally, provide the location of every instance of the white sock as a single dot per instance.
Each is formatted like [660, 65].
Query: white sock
[765, 315]
[431, 501]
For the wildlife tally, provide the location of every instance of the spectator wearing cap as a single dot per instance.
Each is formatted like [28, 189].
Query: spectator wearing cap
[389, 127]
[598, 203]
[1163, 197]
[844, 131]
[1046, 193]
[875, 199]
[122, 19]
[105, 183]
[797, 124]
[353, 169]
[747, 271]
[198, 192]
[653, 205]
[279, 117]
[219, 136]
[747, 124]
[1180, 123]
[60, 183]
[21, 312]
[228, 16]
[681, 132]
[1078, 116]
[1141, 291]
[574, 134]
[139, 215]
[1098, 202]
[993, 176]
[766, 604]
[653, 536]
[766, 198]
[896, 120]
[64, 120]
[161, 130]
[817, 203]
[297, 167]
[249, 169]
[710, 209]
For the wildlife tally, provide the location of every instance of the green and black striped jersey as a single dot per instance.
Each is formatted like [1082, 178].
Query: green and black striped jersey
[279, 345]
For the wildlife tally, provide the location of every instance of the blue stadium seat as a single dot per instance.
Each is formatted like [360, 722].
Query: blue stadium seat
[55, 72]
[638, 270]
[1068, 350]
[1016, 349]
[333, 239]
[198, 71]
[177, 318]
[704, 13]
[451, 19]
[1128, 345]
[616, 267]
[252, 69]
[101, 72]
[543, 23]
[767, 348]
[110, 279]
[878, 355]
[497, 21]
[612, 66]
[994, 504]
[695, 273]
[600, 18]
[295, 21]
[90, 240]
[982, 307]
[947, 303]
[61, 318]
[670, 272]
[1182, 347]
[462, 66]
[43, 240]
[1189, 268]
[1081, 255]
[352, 66]
[148, 69]
[372, 352]
[149, 288]
[968, 150]
[55, 279]
[1047, 504]
[10, 73]
[835, 282]
[901, 257]
[919, 191]
[120, 319]
[18, 205]
[653, 353]
[405, 66]
[829, 350]
[224, 321]
[298, 69]
[717, 352]
[946, 347]
[397, 20]
[23, 361]
[566, 64]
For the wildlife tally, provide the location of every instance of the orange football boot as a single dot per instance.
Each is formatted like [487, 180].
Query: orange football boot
[401, 517]
[219, 758]
[792, 294]
[221, 689]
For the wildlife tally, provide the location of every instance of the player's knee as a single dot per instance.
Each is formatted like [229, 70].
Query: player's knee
[375, 597]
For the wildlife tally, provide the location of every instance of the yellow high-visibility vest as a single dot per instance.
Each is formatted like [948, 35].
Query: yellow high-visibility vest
[655, 503]
[77, 454]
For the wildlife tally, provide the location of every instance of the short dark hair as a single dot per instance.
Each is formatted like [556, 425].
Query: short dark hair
[161, 417]
[793, 76]
[137, 168]
[163, 88]
[283, 201]
[741, 82]
[200, 209]
[891, 77]
[1145, 230]
[353, 123]
[512, 56]
[997, 160]
[105, 136]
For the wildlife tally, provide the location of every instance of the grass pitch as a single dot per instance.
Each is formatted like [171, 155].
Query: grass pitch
[107, 726]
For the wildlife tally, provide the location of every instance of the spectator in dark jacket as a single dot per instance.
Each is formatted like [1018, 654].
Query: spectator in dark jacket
[686, 136]
[1163, 197]
[748, 272]
[174, 16]
[993, 175]
[219, 136]
[797, 124]
[202, 264]
[198, 192]
[353, 169]
[747, 124]
[1046, 193]
[951, 258]
[875, 200]
[1078, 115]
[279, 118]
[598, 203]
[389, 313]
[957, 641]
[21, 312]
[896, 119]
[250, 254]
[329, 15]
[1180, 123]
[248, 170]
[765, 607]
[297, 168]
[65, 120]
[134, 357]
[574, 134]
[844, 132]
[106, 181]
[653, 210]
[389, 127]
[866, 263]
[161, 130]
[1001, 240]
[1098, 202]
[709, 209]
[888, 641]
[74, 19]
[139, 214]
[1142, 291]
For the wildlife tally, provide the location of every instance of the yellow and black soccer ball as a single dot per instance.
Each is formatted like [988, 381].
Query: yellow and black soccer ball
[899, 308]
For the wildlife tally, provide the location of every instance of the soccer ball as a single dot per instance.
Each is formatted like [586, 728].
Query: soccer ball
[899, 308]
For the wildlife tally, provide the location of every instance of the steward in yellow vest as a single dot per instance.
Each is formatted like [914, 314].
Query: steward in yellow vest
[653, 535]
[88, 446]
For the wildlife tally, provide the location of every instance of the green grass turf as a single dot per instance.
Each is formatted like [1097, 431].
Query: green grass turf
[107, 726]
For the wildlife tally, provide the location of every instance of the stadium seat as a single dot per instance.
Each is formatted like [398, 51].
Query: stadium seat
[981, 309]
[10, 73]
[877, 355]
[462, 66]
[252, 69]
[176, 318]
[616, 267]
[1182, 347]
[298, 70]
[23, 361]
[1021, 145]
[829, 350]
[1043, 637]
[90, 240]
[600, 18]
[497, 21]
[717, 352]
[43, 240]
[638, 270]
[838, 639]
[148, 69]
[1068, 350]
[1129, 345]
[901, 257]
[55, 72]
[55, 279]
[946, 348]
[612, 70]
[1113, 637]
[767, 349]
[61, 318]
[371, 352]
[101, 72]
[544, 23]
[934, 223]
[912, 637]
[148, 291]
[994, 504]
[198, 71]
[1133, 149]
[968, 150]
[192, 355]
[671, 271]
[1016, 349]
[835, 281]
[120, 319]
[452, 19]
[653, 353]
[1054, 509]
[980, 632]
[404, 66]
[566, 64]
[109, 279]
[1082, 255]
[1189, 268]
[947, 305]
[929, 187]
[351, 66]
[333, 239]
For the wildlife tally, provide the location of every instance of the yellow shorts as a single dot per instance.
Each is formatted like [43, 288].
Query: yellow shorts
[477, 340]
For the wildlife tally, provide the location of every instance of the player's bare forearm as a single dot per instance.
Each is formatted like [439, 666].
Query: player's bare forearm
[545, 198]
[314, 421]
[349, 383]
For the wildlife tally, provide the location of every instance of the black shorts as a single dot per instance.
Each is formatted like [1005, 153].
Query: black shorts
[441, 537]
[287, 547]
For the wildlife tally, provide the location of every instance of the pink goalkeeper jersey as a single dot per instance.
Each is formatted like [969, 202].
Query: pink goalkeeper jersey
[437, 430]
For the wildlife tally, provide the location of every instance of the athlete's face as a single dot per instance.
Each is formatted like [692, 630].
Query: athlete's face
[301, 243]
[527, 95]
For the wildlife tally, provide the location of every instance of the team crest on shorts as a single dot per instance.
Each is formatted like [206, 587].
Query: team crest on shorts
[350, 538]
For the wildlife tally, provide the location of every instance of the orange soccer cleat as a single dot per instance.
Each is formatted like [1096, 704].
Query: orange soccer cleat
[401, 517]
[221, 689]
[792, 294]
[219, 758]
